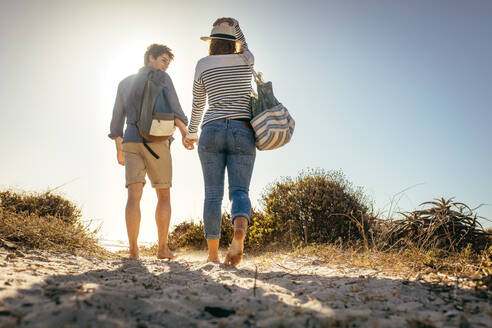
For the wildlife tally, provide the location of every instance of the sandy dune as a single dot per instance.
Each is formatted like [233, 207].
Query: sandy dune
[43, 289]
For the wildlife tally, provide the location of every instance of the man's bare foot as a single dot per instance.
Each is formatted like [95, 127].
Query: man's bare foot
[235, 253]
[134, 254]
[165, 254]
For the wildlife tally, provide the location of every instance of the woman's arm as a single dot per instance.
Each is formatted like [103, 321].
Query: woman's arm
[198, 104]
[239, 35]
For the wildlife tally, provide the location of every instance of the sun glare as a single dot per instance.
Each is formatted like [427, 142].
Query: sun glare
[119, 64]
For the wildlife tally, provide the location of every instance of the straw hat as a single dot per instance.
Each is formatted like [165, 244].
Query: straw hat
[223, 31]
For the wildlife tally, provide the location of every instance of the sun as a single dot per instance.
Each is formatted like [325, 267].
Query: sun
[126, 60]
[120, 63]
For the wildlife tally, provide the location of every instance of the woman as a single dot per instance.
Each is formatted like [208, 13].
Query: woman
[227, 139]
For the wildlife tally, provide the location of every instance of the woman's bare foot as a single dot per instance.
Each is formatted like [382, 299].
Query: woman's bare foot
[165, 254]
[214, 259]
[134, 254]
[213, 250]
[235, 253]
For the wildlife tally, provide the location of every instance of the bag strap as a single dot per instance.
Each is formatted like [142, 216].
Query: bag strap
[150, 149]
[258, 78]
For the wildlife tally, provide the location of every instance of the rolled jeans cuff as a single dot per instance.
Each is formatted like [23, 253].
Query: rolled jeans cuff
[212, 236]
[247, 216]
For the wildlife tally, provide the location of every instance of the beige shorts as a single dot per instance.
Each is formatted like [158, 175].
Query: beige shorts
[139, 161]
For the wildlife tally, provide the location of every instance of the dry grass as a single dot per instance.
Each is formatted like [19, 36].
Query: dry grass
[410, 263]
[437, 266]
[444, 224]
[45, 221]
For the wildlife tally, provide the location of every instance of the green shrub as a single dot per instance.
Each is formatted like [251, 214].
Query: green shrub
[316, 207]
[226, 230]
[187, 235]
[260, 231]
[191, 235]
[322, 207]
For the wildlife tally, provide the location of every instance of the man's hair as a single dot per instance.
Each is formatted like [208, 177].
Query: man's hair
[222, 47]
[156, 50]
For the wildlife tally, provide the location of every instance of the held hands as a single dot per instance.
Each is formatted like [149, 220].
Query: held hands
[184, 132]
[189, 143]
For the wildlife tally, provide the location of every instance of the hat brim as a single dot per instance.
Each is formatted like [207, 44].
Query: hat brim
[208, 38]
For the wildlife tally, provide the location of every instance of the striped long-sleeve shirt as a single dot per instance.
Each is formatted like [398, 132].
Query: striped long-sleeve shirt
[226, 81]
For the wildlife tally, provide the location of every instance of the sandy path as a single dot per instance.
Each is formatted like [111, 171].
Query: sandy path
[49, 290]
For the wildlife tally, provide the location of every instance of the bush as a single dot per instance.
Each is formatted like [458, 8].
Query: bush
[317, 207]
[45, 221]
[46, 204]
[192, 235]
[444, 225]
[187, 235]
[322, 207]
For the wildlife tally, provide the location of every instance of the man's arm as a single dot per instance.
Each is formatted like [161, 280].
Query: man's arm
[181, 126]
[184, 132]
[117, 123]
[172, 98]
[119, 152]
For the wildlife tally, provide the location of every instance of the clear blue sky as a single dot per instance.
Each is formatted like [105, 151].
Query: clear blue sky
[394, 93]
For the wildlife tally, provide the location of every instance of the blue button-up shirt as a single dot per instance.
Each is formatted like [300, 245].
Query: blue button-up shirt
[128, 99]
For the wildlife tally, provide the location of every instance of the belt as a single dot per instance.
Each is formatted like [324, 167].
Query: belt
[240, 119]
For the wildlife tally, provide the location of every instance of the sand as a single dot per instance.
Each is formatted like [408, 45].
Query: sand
[42, 289]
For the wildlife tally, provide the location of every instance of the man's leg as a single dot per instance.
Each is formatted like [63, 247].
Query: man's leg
[159, 171]
[162, 219]
[132, 215]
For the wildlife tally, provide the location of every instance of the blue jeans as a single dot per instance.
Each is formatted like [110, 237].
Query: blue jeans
[226, 143]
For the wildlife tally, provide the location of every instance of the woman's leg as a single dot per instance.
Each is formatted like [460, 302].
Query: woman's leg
[213, 250]
[213, 167]
[240, 162]
[241, 206]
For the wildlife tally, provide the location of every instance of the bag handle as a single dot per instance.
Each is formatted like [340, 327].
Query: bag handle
[258, 77]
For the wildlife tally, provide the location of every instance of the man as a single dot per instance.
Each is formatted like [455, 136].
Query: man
[137, 159]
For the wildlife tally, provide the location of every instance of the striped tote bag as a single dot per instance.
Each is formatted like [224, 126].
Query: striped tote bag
[271, 121]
